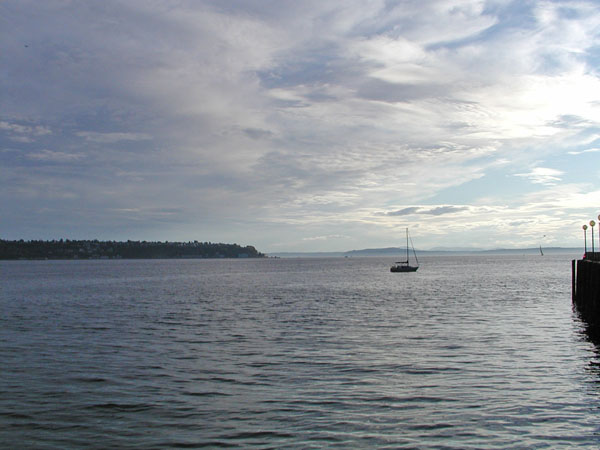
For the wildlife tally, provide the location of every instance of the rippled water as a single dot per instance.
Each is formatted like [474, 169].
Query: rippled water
[469, 352]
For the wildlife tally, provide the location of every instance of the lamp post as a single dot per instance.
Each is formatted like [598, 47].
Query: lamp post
[584, 240]
[592, 223]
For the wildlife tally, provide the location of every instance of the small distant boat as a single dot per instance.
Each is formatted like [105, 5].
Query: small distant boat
[404, 266]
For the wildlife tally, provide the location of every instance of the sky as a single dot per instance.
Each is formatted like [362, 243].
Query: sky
[301, 126]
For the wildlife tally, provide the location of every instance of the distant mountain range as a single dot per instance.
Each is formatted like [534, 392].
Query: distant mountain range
[395, 251]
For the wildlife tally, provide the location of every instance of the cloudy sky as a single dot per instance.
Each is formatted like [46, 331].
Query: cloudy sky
[301, 125]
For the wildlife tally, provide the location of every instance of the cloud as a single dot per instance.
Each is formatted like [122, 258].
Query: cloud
[325, 238]
[542, 175]
[290, 120]
[256, 133]
[111, 138]
[580, 152]
[405, 211]
[35, 130]
[432, 211]
[23, 133]
[53, 156]
[441, 210]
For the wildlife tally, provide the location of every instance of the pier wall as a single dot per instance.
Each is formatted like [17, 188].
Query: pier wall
[586, 285]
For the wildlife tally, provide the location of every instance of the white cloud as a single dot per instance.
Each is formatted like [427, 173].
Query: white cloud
[568, 198]
[111, 138]
[35, 130]
[49, 155]
[325, 238]
[542, 175]
[25, 134]
[588, 150]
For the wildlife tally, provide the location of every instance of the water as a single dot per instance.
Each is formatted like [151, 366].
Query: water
[468, 352]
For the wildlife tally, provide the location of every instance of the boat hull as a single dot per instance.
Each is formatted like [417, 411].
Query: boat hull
[404, 268]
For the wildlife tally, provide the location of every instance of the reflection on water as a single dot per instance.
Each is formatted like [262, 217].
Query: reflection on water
[589, 329]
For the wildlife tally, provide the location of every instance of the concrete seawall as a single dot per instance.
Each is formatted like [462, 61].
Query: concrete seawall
[586, 288]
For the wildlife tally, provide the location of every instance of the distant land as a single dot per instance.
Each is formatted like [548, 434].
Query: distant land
[397, 251]
[94, 249]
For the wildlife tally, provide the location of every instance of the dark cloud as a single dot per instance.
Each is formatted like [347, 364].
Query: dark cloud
[437, 211]
[441, 210]
[257, 133]
[405, 211]
[384, 91]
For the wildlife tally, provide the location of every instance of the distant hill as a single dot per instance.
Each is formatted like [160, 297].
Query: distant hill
[395, 251]
[307, 254]
[536, 250]
[499, 251]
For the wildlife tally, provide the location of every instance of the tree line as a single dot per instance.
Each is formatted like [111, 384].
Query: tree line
[95, 249]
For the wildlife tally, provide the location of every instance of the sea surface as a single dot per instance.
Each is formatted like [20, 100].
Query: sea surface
[468, 352]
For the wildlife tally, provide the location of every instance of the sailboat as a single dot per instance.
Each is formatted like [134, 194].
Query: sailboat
[404, 266]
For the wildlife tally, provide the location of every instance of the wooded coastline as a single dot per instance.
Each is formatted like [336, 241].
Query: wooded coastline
[95, 249]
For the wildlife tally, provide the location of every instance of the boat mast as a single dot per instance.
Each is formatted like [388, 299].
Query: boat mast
[407, 246]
